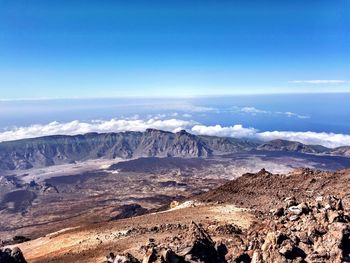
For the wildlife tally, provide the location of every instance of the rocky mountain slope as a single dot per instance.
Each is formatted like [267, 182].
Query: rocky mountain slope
[61, 149]
[299, 217]
[264, 191]
[291, 146]
[45, 151]
[343, 151]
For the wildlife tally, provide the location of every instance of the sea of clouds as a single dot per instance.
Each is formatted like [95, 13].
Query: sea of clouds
[174, 125]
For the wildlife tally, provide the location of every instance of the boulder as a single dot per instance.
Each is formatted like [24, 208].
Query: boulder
[279, 212]
[298, 210]
[228, 229]
[294, 218]
[295, 210]
[200, 247]
[14, 255]
[150, 255]
[290, 201]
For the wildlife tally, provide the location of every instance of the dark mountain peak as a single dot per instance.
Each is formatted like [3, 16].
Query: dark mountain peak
[282, 142]
[151, 130]
[183, 132]
[90, 134]
[263, 171]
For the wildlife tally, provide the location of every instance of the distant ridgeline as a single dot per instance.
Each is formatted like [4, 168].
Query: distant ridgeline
[63, 149]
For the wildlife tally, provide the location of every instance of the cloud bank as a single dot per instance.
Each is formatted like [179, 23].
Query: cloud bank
[135, 124]
[331, 140]
[78, 127]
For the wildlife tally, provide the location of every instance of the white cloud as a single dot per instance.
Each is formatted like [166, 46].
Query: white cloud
[321, 138]
[78, 127]
[292, 114]
[319, 81]
[173, 125]
[254, 111]
[199, 109]
[326, 139]
[232, 131]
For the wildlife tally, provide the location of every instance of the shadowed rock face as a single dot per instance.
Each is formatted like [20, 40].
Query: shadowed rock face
[11, 256]
[129, 211]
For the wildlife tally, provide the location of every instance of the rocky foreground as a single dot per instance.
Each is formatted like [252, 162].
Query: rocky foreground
[300, 217]
[317, 231]
[296, 223]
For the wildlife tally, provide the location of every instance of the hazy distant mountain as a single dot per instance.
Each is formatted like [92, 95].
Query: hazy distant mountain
[344, 151]
[61, 149]
[291, 146]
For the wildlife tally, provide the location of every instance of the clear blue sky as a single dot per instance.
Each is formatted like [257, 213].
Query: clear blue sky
[71, 48]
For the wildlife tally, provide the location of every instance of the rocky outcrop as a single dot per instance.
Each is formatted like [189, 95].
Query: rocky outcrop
[14, 240]
[265, 191]
[301, 216]
[14, 255]
[295, 232]
[305, 232]
[197, 246]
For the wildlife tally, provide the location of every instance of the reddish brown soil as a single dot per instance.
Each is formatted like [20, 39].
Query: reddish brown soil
[263, 191]
[92, 243]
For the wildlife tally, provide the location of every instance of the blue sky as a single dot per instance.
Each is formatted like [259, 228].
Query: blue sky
[71, 48]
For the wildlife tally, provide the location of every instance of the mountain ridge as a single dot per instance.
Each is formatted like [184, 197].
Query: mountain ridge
[62, 149]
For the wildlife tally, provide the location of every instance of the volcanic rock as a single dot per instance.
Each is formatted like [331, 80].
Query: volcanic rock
[11, 256]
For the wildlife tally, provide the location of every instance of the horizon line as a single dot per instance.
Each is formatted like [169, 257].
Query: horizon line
[170, 97]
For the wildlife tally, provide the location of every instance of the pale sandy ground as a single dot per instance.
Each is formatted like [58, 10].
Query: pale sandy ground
[93, 243]
[236, 167]
[41, 174]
